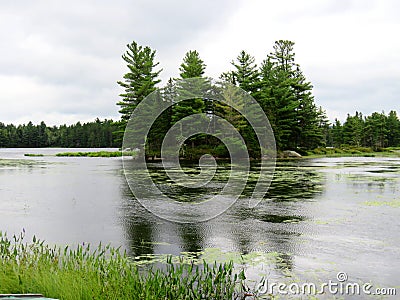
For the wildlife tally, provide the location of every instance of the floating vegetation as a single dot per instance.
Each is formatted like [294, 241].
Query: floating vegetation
[91, 154]
[17, 163]
[393, 203]
[33, 154]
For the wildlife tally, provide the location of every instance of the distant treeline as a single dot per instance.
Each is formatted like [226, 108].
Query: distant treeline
[94, 134]
[377, 131]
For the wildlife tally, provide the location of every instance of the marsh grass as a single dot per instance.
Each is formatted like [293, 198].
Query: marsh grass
[106, 273]
[351, 151]
[91, 154]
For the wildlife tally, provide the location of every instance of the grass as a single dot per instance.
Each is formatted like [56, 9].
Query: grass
[394, 203]
[91, 154]
[106, 273]
[351, 151]
[33, 154]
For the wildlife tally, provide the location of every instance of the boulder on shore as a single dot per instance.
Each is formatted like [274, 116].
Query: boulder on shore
[290, 154]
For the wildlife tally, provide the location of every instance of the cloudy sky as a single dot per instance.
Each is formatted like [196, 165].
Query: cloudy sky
[60, 60]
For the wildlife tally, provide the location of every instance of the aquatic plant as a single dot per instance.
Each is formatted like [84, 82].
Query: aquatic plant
[91, 154]
[106, 273]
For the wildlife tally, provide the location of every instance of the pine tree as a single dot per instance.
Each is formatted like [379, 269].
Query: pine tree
[191, 67]
[353, 130]
[286, 97]
[375, 131]
[393, 129]
[245, 74]
[188, 90]
[277, 96]
[139, 82]
[337, 134]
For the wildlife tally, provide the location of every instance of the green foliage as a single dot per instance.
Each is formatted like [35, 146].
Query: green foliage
[286, 97]
[97, 134]
[353, 129]
[106, 273]
[92, 154]
[246, 74]
[192, 65]
[344, 150]
[376, 131]
[139, 82]
[278, 85]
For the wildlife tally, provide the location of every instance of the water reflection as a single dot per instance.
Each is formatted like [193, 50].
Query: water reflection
[272, 226]
[138, 224]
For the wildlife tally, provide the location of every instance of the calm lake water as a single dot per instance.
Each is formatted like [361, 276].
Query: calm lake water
[320, 216]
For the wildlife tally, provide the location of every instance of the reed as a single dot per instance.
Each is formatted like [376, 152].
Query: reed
[106, 273]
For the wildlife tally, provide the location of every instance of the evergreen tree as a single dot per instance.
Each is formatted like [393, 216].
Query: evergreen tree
[42, 135]
[286, 96]
[375, 131]
[139, 82]
[187, 90]
[393, 129]
[245, 74]
[337, 134]
[353, 130]
[191, 67]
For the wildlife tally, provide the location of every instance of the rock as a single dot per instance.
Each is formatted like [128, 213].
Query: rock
[290, 153]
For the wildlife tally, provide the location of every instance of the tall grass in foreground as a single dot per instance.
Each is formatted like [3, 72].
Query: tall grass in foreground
[106, 273]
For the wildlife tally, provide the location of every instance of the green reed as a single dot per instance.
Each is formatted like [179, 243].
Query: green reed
[107, 273]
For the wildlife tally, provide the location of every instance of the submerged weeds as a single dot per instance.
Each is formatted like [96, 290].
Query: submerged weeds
[106, 273]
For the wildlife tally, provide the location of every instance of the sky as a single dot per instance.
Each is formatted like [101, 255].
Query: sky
[60, 60]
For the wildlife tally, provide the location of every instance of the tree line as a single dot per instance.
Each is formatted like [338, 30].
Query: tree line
[376, 131]
[87, 135]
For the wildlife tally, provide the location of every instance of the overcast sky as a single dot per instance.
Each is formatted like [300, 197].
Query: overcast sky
[60, 60]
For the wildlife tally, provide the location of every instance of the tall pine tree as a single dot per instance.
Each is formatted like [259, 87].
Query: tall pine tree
[139, 82]
[286, 96]
[246, 76]
[191, 67]
[188, 90]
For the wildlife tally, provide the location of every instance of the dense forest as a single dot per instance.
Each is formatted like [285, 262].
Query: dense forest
[376, 131]
[92, 135]
[278, 85]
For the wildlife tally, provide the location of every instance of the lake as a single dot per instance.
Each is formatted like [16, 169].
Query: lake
[320, 216]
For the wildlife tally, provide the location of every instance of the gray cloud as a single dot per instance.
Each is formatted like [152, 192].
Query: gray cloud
[60, 60]
[69, 53]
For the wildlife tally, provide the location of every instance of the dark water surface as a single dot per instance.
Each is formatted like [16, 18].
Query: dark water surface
[320, 216]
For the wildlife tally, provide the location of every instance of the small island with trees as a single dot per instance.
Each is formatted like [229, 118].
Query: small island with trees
[278, 85]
